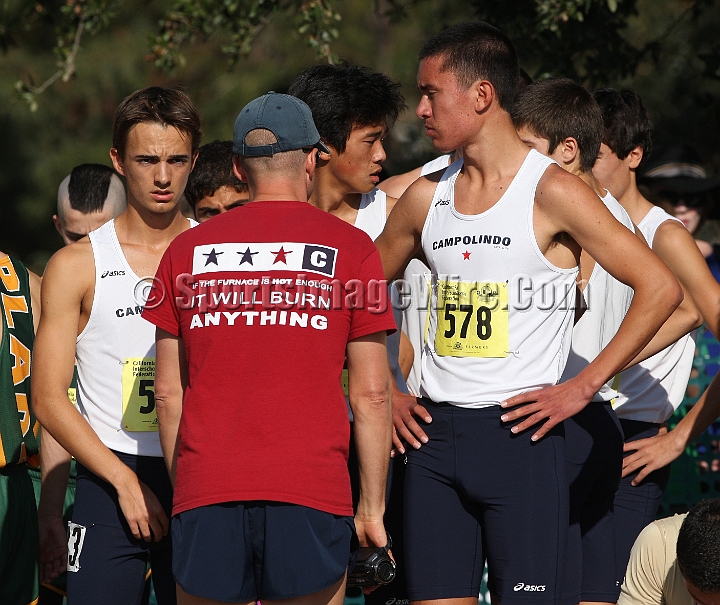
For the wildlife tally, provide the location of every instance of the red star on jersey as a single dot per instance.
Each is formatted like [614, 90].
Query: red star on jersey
[281, 255]
[466, 255]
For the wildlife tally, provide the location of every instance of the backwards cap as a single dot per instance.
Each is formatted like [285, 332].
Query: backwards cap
[287, 117]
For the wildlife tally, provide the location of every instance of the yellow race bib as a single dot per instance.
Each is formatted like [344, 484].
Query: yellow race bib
[138, 394]
[472, 319]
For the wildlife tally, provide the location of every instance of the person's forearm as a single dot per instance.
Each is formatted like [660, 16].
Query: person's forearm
[701, 415]
[58, 416]
[55, 472]
[684, 320]
[651, 306]
[373, 439]
[169, 411]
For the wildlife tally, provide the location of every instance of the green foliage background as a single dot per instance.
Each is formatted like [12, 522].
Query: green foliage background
[226, 52]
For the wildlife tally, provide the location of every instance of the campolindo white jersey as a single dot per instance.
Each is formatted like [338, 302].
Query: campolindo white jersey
[116, 354]
[606, 303]
[372, 213]
[415, 297]
[438, 163]
[653, 389]
[501, 313]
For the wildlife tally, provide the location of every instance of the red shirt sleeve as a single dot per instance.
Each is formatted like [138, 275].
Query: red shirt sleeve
[161, 308]
[373, 313]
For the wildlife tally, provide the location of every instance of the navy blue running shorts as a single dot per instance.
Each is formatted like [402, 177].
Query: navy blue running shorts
[474, 492]
[593, 445]
[248, 551]
[106, 564]
[636, 507]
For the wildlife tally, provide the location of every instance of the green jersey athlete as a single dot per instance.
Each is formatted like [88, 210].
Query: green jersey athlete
[18, 436]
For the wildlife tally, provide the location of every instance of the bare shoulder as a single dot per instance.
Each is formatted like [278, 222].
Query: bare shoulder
[672, 237]
[675, 230]
[71, 269]
[416, 200]
[557, 186]
[390, 204]
[396, 185]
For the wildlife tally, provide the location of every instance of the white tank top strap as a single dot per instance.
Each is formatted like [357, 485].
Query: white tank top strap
[652, 220]
[437, 164]
[372, 213]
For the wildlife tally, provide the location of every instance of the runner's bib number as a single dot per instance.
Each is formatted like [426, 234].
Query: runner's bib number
[472, 319]
[138, 394]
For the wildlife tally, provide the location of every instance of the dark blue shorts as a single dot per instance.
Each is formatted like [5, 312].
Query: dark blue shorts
[111, 564]
[247, 551]
[474, 492]
[593, 444]
[636, 507]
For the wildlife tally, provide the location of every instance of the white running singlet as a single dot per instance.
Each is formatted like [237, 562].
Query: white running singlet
[653, 389]
[607, 301]
[372, 213]
[416, 296]
[437, 164]
[115, 353]
[501, 314]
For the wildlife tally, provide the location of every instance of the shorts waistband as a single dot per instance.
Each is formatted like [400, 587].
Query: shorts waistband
[444, 405]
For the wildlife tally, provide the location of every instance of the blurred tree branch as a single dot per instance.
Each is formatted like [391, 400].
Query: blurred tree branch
[580, 39]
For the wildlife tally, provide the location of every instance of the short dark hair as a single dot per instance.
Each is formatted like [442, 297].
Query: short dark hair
[627, 122]
[165, 106]
[88, 187]
[213, 169]
[559, 108]
[343, 97]
[474, 51]
[698, 546]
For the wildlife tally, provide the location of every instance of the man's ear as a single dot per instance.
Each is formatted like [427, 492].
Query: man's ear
[569, 149]
[635, 157]
[484, 95]
[238, 169]
[194, 159]
[311, 162]
[117, 161]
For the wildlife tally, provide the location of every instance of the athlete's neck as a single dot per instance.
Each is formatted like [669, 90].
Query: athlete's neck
[345, 206]
[140, 226]
[496, 150]
[589, 180]
[331, 195]
[634, 202]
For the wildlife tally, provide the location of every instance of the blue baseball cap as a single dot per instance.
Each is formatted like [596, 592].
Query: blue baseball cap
[287, 117]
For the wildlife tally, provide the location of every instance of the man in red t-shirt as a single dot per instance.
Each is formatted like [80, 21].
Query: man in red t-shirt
[256, 311]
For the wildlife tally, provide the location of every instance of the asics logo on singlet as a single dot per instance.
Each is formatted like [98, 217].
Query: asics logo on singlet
[112, 274]
[442, 203]
[529, 587]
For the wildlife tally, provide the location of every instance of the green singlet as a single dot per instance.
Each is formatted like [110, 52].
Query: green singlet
[18, 440]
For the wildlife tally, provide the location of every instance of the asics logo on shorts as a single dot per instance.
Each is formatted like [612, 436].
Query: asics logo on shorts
[529, 587]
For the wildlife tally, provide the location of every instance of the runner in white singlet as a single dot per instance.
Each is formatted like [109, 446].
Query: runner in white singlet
[502, 232]
[650, 391]
[94, 293]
